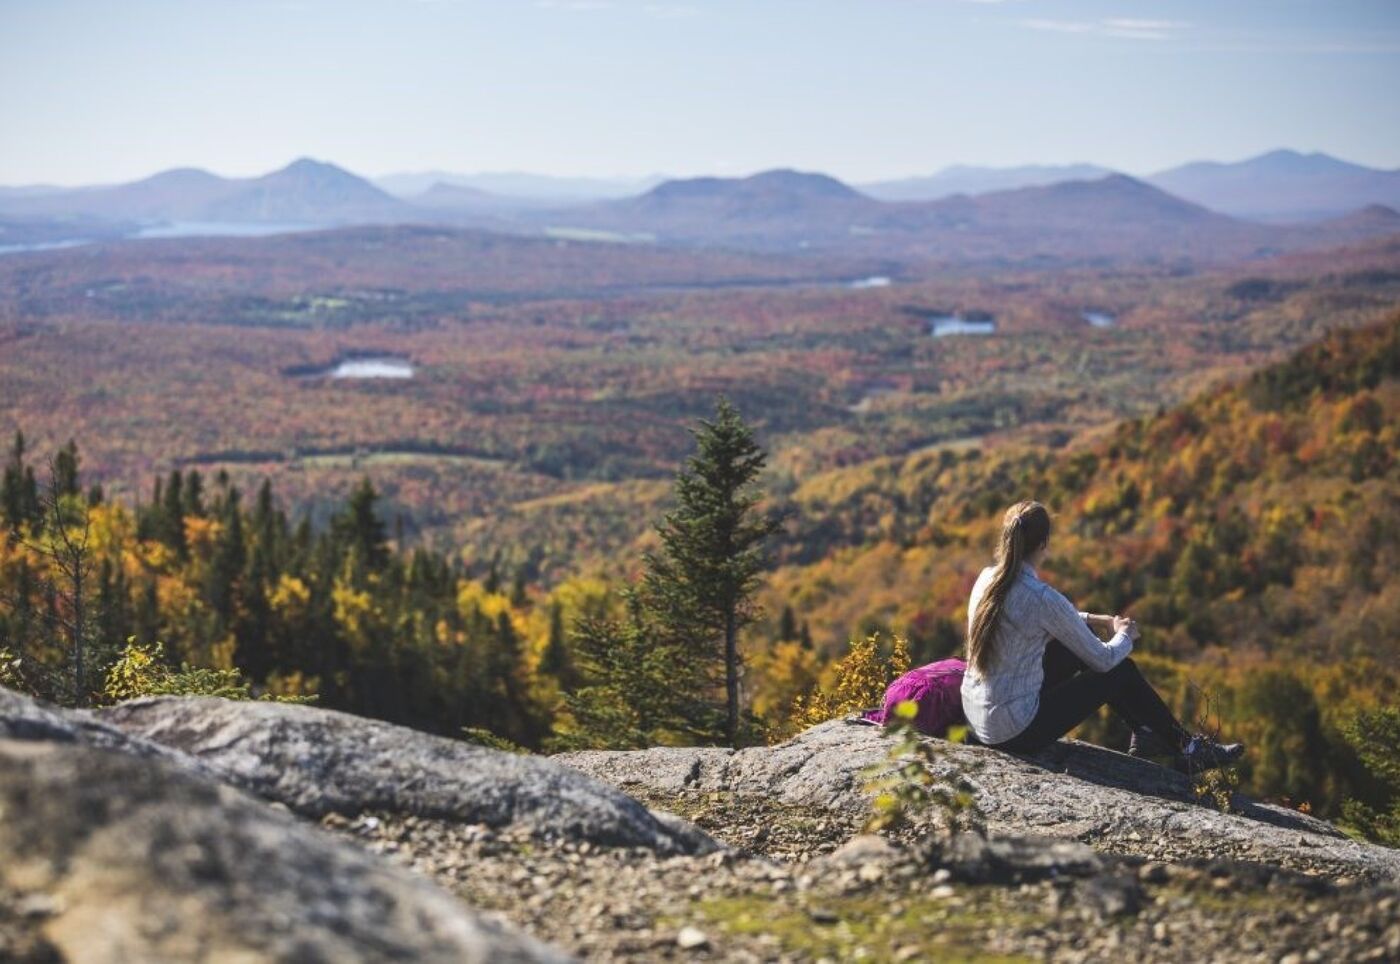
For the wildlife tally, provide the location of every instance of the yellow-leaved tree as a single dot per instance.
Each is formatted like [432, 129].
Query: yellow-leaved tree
[856, 681]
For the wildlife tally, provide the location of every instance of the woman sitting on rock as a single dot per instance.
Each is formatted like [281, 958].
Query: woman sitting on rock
[1036, 670]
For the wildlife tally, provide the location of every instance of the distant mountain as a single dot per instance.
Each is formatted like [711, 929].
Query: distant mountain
[774, 209]
[304, 191]
[1100, 203]
[307, 191]
[460, 199]
[520, 185]
[1282, 186]
[177, 194]
[961, 179]
[784, 209]
[1112, 218]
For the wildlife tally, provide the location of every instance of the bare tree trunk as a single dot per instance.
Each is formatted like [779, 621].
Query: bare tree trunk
[71, 557]
[731, 675]
[77, 629]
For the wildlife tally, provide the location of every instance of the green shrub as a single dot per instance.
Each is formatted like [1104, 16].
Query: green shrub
[142, 671]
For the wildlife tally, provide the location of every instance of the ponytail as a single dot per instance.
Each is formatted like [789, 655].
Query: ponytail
[1024, 529]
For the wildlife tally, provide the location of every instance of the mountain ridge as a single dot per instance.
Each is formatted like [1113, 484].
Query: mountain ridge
[1282, 185]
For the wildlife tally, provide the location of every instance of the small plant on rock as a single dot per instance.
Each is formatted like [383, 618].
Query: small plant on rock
[906, 785]
[1218, 787]
[142, 671]
[481, 736]
[854, 683]
[11, 671]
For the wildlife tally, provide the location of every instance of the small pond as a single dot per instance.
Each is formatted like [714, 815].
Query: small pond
[874, 281]
[941, 326]
[383, 367]
[1099, 319]
[356, 366]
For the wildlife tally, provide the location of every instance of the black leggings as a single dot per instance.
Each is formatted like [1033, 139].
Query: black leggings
[1072, 693]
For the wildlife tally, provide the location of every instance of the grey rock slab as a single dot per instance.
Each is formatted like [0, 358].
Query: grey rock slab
[1009, 860]
[1071, 790]
[318, 761]
[136, 860]
[25, 718]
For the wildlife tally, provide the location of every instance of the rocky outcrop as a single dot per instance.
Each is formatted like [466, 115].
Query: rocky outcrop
[23, 718]
[172, 829]
[112, 857]
[319, 761]
[1112, 801]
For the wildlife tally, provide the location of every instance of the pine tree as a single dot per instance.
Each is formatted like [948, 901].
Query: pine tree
[222, 582]
[19, 490]
[787, 625]
[65, 468]
[359, 526]
[555, 660]
[699, 587]
[172, 520]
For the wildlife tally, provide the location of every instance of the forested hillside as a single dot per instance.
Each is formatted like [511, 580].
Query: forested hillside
[1254, 533]
[1251, 531]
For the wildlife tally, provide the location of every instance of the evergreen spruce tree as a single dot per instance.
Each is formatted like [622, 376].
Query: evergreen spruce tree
[360, 527]
[787, 625]
[698, 589]
[19, 490]
[555, 661]
[223, 579]
[65, 467]
[173, 516]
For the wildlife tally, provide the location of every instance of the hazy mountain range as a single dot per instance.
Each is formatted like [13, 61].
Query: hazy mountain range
[1077, 212]
[1113, 217]
[1282, 186]
[961, 179]
[513, 184]
[303, 192]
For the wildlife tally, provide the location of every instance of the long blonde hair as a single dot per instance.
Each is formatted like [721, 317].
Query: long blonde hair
[1024, 529]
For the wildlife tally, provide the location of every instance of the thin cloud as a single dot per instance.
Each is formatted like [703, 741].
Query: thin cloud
[660, 10]
[575, 6]
[1131, 28]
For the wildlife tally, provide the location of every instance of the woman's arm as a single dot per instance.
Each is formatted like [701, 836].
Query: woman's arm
[1097, 621]
[1067, 625]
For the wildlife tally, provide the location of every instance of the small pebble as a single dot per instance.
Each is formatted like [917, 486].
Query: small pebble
[690, 938]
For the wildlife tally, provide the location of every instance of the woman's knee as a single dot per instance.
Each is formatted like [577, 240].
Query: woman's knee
[1125, 667]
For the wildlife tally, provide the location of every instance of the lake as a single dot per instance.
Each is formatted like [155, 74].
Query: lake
[174, 229]
[385, 367]
[943, 325]
[220, 229]
[874, 281]
[1099, 319]
[39, 246]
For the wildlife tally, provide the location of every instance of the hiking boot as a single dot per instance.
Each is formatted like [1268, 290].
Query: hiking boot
[1201, 753]
[1146, 741]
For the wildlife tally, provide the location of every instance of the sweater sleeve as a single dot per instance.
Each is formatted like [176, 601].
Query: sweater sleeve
[1063, 622]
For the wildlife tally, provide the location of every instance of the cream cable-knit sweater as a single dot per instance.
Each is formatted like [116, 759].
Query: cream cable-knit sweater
[1002, 703]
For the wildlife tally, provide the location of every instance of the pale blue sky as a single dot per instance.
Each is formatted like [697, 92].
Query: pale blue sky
[105, 90]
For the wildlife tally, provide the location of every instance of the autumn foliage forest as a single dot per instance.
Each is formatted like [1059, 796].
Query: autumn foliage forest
[1220, 461]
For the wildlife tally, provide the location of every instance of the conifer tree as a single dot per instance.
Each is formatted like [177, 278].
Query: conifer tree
[555, 660]
[787, 625]
[222, 581]
[359, 526]
[19, 490]
[699, 587]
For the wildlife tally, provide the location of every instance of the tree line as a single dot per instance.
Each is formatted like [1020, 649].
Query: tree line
[342, 614]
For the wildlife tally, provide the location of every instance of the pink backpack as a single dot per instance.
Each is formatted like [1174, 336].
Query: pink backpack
[936, 688]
